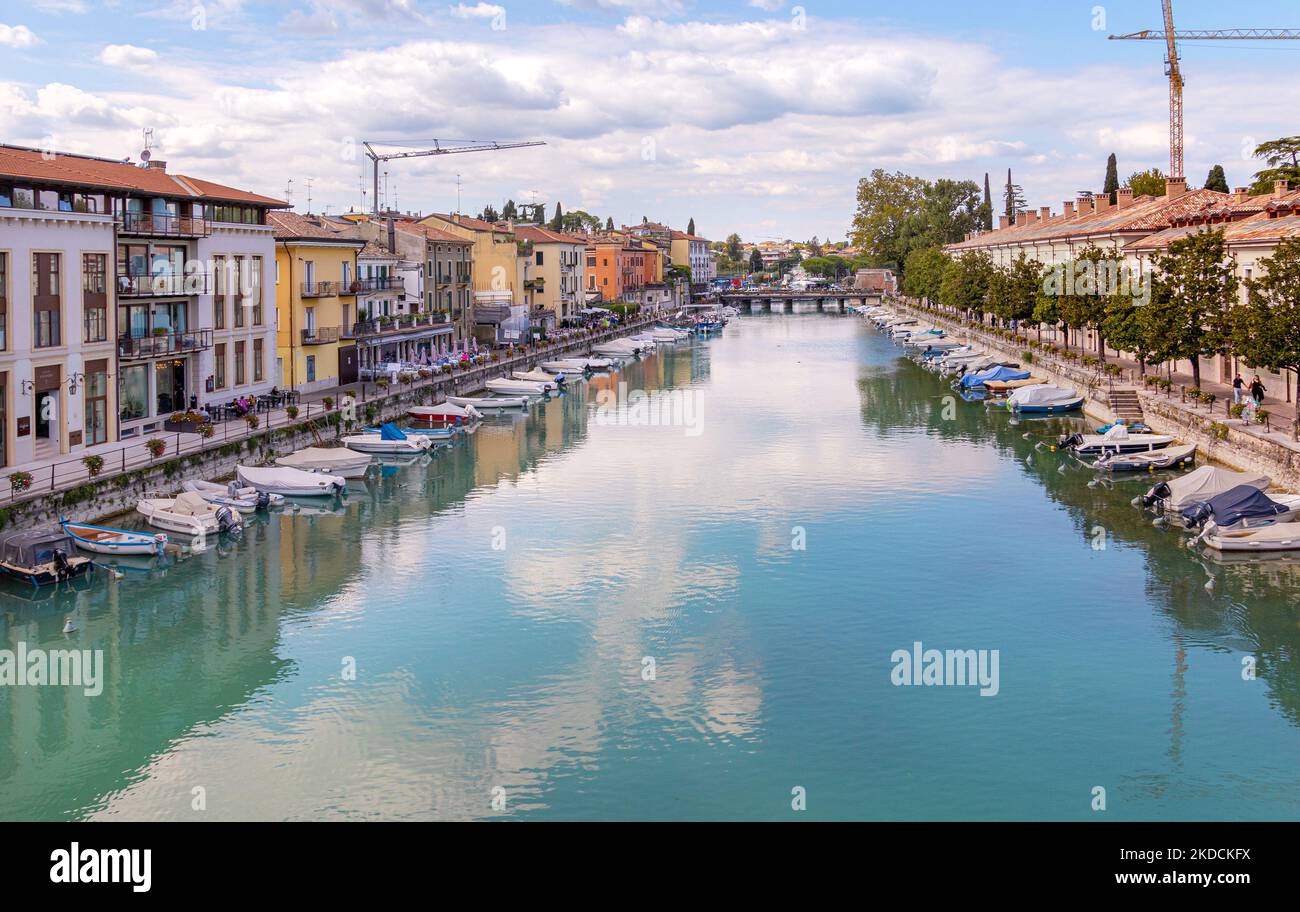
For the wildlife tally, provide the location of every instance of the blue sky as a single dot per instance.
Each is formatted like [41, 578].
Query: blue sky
[757, 117]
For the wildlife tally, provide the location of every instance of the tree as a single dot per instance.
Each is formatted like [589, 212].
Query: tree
[1193, 285]
[923, 273]
[489, 214]
[1283, 159]
[1014, 289]
[755, 261]
[690, 227]
[965, 283]
[986, 207]
[1217, 180]
[1013, 198]
[1147, 183]
[1112, 178]
[609, 223]
[733, 247]
[1122, 325]
[509, 212]
[1266, 330]
[577, 220]
[884, 202]
[557, 223]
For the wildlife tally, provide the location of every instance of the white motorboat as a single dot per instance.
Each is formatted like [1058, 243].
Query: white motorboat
[389, 441]
[1168, 458]
[107, 540]
[291, 482]
[189, 514]
[447, 413]
[329, 461]
[1116, 440]
[1278, 537]
[1242, 507]
[490, 403]
[241, 500]
[574, 368]
[548, 381]
[515, 387]
[1201, 484]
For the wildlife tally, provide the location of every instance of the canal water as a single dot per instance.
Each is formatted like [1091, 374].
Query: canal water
[568, 617]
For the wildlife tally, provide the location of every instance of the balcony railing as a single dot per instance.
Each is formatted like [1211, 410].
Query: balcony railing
[380, 283]
[491, 313]
[135, 286]
[321, 335]
[163, 344]
[320, 289]
[382, 327]
[146, 224]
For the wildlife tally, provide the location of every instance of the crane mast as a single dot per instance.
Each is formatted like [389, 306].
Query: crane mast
[437, 148]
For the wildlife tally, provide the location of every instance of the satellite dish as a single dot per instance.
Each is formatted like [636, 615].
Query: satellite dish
[146, 155]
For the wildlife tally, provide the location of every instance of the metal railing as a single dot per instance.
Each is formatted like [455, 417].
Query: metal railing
[133, 286]
[162, 344]
[379, 283]
[321, 335]
[151, 225]
[320, 289]
[404, 323]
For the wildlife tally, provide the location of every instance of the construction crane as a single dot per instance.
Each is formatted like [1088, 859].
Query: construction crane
[1171, 38]
[442, 147]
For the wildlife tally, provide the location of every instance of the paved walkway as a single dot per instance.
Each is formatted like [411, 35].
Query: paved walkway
[63, 472]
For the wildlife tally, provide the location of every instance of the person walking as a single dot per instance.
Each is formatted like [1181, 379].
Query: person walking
[1257, 391]
[1237, 385]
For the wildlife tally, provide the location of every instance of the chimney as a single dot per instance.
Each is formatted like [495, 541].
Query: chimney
[392, 235]
[1101, 201]
[1067, 209]
[1280, 187]
[1124, 197]
[1240, 194]
[1003, 222]
[1085, 205]
[155, 165]
[1175, 187]
[1044, 213]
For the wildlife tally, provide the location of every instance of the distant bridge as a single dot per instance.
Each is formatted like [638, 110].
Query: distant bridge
[780, 300]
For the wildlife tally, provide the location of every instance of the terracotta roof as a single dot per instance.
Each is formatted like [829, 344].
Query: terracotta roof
[471, 223]
[291, 226]
[546, 236]
[375, 249]
[1261, 228]
[683, 236]
[106, 175]
[431, 233]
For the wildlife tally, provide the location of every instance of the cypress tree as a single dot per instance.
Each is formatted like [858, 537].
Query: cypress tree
[1112, 179]
[690, 227]
[1217, 180]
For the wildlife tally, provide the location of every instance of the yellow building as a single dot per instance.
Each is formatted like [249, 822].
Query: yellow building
[315, 301]
[495, 269]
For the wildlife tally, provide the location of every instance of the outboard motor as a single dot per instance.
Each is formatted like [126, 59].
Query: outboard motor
[1069, 440]
[60, 559]
[229, 522]
[232, 490]
[338, 489]
[1156, 494]
[263, 500]
[1197, 514]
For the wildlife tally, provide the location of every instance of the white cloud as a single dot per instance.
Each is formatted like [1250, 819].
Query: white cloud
[477, 11]
[17, 36]
[770, 6]
[58, 7]
[127, 56]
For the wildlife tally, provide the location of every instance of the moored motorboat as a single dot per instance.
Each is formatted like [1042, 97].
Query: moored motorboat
[1167, 458]
[242, 500]
[515, 387]
[189, 514]
[446, 413]
[107, 540]
[41, 556]
[328, 460]
[1044, 398]
[1278, 537]
[490, 403]
[389, 441]
[1001, 373]
[537, 375]
[1202, 484]
[291, 482]
[1242, 507]
[1116, 440]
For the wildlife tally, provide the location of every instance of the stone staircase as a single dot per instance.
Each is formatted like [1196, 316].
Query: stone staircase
[1125, 405]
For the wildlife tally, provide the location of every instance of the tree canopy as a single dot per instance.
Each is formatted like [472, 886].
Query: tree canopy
[1283, 159]
[898, 213]
[1147, 183]
[1193, 285]
[1217, 180]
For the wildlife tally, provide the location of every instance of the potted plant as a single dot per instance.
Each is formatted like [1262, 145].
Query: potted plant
[156, 447]
[292, 412]
[1261, 416]
[187, 422]
[328, 402]
[206, 430]
[20, 481]
[94, 464]
[252, 421]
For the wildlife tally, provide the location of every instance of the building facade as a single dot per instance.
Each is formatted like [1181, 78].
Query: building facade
[558, 267]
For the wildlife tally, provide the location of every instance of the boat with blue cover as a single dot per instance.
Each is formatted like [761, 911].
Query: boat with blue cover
[390, 441]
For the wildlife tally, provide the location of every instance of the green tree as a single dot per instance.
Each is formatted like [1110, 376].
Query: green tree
[489, 214]
[1123, 327]
[1217, 180]
[1147, 183]
[923, 273]
[1266, 330]
[965, 284]
[1014, 289]
[885, 202]
[609, 224]
[986, 207]
[509, 212]
[557, 223]
[690, 227]
[755, 261]
[1283, 159]
[1013, 198]
[1112, 178]
[1193, 286]
[733, 247]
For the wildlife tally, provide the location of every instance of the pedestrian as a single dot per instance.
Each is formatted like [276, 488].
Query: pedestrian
[1236, 389]
[1257, 391]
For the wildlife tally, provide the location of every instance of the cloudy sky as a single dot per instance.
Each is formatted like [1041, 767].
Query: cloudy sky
[756, 116]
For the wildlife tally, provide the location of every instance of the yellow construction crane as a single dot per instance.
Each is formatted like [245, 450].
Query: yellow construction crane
[1175, 74]
[443, 147]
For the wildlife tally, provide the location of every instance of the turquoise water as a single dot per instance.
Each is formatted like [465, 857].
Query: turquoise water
[500, 602]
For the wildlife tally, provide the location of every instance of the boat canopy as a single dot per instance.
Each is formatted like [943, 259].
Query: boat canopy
[1231, 507]
[389, 431]
[1001, 373]
[190, 504]
[34, 546]
[1208, 482]
[1042, 394]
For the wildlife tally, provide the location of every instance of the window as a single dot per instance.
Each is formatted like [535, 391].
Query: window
[94, 296]
[219, 371]
[236, 276]
[96, 402]
[219, 281]
[4, 302]
[257, 360]
[311, 368]
[539, 258]
[133, 393]
[46, 300]
[254, 289]
[241, 367]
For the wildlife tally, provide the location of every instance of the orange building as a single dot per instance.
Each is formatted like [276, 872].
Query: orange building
[616, 265]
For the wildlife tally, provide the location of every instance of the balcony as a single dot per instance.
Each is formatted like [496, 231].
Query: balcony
[139, 286]
[320, 289]
[146, 224]
[321, 335]
[163, 344]
[395, 325]
[491, 313]
[381, 283]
